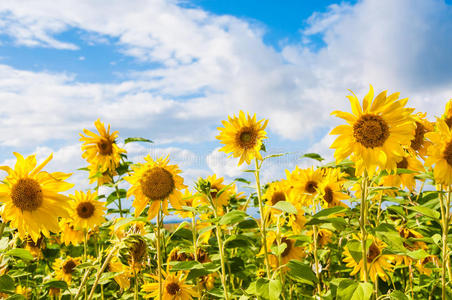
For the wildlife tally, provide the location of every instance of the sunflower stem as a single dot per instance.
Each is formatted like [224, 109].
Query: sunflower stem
[101, 270]
[85, 246]
[118, 195]
[316, 260]
[362, 224]
[82, 284]
[261, 211]
[2, 229]
[159, 254]
[195, 246]
[445, 209]
[135, 288]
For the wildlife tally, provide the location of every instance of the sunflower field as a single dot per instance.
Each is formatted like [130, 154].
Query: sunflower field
[373, 224]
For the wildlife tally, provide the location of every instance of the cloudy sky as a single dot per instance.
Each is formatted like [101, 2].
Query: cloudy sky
[170, 71]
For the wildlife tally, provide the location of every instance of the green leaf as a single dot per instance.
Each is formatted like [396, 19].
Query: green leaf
[237, 241]
[338, 223]
[351, 290]
[398, 295]
[330, 211]
[136, 139]
[425, 211]
[279, 250]
[16, 297]
[59, 284]
[20, 253]
[354, 247]
[242, 180]
[233, 217]
[106, 277]
[274, 289]
[301, 272]
[418, 254]
[286, 207]
[183, 265]
[6, 284]
[313, 156]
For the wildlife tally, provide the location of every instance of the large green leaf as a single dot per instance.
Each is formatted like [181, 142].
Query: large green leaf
[286, 207]
[20, 253]
[349, 289]
[301, 272]
[233, 217]
[425, 211]
[6, 284]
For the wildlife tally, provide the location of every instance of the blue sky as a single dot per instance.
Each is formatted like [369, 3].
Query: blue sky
[171, 71]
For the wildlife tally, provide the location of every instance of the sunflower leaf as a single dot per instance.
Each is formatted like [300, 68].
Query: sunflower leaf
[137, 139]
[20, 253]
[233, 217]
[301, 272]
[313, 156]
[286, 207]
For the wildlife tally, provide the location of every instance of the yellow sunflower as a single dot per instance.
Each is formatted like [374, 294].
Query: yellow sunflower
[129, 228]
[277, 191]
[70, 235]
[88, 212]
[305, 182]
[174, 287]
[242, 136]
[35, 248]
[101, 150]
[423, 264]
[65, 268]
[376, 134]
[290, 252]
[419, 143]
[323, 237]
[155, 181]
[189, 200]
[377, 262]
[219, 192]
[447, 116]
[331, 188]
[406, 180]
[101, 178]
[410, 244]
[31, 197]
[122, 279]
[439, 153]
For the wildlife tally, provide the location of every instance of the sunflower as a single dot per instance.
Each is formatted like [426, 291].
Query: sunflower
[122, 279]
[35, 248]
[411, 244]
[189, 200]
[129, 228]
[31, 197]
[70, 235]
[88, 212]
[419, 143]
[155, 181]
[439, 153]
[174, 287]
[377, 262]
[447, 116]
[242, 136]
[426, 265]
[406, 180]
[323, 237]
[219, 192]
[290, 252]
[101, 178]
[101, 150]
[331, 188]
[65, 268]
[134, 251]
[277, 191]
[376, 133]
[305, 182]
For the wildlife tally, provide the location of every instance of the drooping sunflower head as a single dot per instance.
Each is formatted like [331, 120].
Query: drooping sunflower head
[174, 287]
[439, 153]
[31, 198]
[101, 150]
[155, 181]
[134, 251]
[65, 268]
[243, 136]
[376, 134]
[88, 212]
[123, 227]
[419, 143]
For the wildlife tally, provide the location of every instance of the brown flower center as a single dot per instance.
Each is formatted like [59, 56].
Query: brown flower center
[246, 138]
[447, 154]
[27, 194]
[371, 131]
[214, 189]
[288, 246]
[68, 267]
[173, 288]
[418, 140]
[105, 146]
[448, 121]
[311, 187]
[328, 196]
[403, 164]
[278, 196]
[85, 210]
[157, 183]
[373, 253]
[138, 250]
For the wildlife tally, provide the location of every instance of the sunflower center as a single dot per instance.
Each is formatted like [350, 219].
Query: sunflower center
[311, 187]
[85, 210]
[448, 121]
[403, 164]
[373, 253]
[447, 154]
[173, 288]
[105, 146]
[328, 197]
[68, 267]
[157, 183]
[371, 131]
[214, 189]
[138, 250]
[278, 196]
[27, 194]
[246, 138]
[418, 140]
[288, 247]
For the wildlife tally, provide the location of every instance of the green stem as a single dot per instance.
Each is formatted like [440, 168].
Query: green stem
[263, 225]
[445, 208]
[101, 270]
[316, 260]
[2, 229]
[118, 195]
[362, 224]
[135, 295]
[159, 254]
[82, 284]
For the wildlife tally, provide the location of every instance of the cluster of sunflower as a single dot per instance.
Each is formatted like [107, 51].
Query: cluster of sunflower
[374, 224]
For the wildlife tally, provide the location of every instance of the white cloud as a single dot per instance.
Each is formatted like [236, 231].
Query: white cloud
[221, 165]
